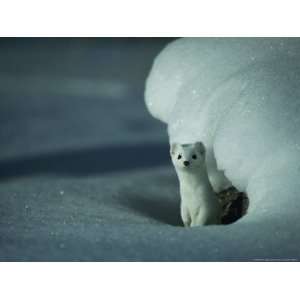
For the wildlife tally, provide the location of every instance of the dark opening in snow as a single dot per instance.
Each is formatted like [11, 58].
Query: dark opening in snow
[234, 203]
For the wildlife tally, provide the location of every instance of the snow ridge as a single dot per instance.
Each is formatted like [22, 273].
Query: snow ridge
[241, 98]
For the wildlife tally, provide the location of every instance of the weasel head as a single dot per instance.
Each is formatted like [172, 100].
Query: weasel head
[188, 157]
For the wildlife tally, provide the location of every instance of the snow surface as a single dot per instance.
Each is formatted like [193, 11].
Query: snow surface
[241, 97]
[85, 174]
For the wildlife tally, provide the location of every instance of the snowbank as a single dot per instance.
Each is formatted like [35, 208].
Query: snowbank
[241, 97]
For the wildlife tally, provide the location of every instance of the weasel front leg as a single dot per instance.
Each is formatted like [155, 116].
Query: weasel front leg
[185, 215]
[199, 219]
[203, 218]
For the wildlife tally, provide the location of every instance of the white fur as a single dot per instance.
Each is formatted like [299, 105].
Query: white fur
[199, 204]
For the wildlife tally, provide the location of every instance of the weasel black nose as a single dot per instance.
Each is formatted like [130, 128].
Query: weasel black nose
[186, 163]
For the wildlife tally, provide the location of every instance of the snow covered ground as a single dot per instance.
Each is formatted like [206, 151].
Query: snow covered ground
[85, 171]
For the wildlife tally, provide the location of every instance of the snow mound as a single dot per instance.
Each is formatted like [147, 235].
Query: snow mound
[241, 98]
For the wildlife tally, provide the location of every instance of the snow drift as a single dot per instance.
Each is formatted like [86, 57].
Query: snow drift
[241, 98]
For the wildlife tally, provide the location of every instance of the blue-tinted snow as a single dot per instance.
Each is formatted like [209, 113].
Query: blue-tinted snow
[84, 169]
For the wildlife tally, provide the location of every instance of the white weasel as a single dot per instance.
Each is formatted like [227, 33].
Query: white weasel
[199, 204]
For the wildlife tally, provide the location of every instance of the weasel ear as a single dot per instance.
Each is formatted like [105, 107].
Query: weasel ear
[200, 148]
[173, 148]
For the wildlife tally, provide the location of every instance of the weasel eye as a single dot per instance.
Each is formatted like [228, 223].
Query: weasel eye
[194, 156]
[179, 156]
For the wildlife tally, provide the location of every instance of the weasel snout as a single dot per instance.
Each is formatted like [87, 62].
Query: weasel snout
[186, 163]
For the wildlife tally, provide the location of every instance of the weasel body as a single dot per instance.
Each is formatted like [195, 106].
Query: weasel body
[199, 204]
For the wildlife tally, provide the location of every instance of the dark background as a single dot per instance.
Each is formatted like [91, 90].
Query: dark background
[79, 149]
